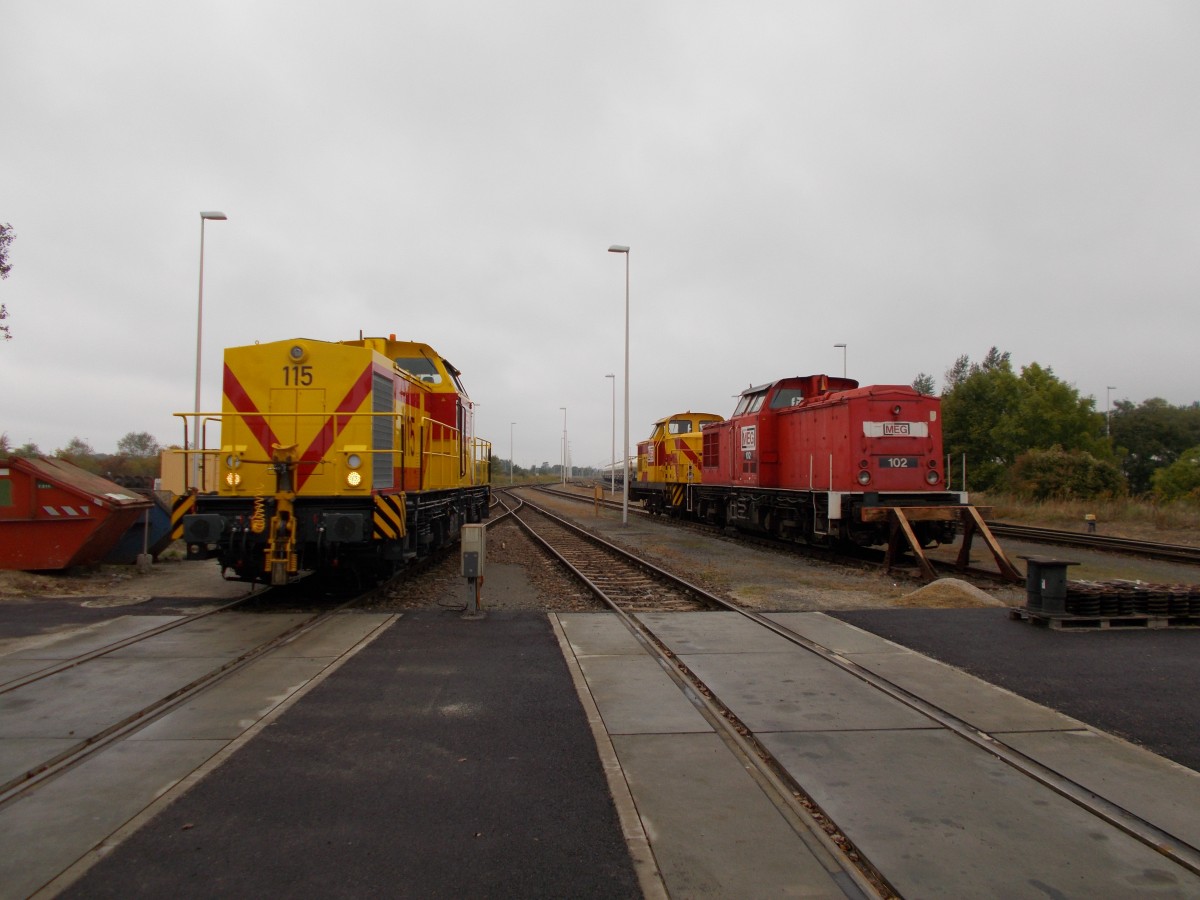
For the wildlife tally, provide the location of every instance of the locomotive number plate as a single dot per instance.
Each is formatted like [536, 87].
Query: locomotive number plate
[898, 462]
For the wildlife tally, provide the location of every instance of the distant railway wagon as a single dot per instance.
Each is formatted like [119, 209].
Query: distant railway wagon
[668, 463]
[821, 460]
[356, 454]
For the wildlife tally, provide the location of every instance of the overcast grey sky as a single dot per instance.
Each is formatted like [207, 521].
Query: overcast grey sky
[917, 180]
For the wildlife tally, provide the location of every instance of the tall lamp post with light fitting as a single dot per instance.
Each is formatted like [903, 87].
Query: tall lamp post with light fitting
[620, 248]
[217, 217]
[843, 347]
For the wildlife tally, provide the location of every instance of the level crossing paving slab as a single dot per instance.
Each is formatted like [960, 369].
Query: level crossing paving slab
[74, 639]
[60, 821]
[983, 706]
[938, 816]
[631, 689]
[446, 758]
[713, 830]
[943, 819]
[712, 827]
[1162, 792]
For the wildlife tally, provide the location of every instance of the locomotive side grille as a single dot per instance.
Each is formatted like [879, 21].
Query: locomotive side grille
[382, 431]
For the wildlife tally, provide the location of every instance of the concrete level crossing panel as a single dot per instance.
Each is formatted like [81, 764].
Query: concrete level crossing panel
[599, 634]
[944, 819]
[1163, 793]
[714, 832]
[224, 634]
[80, 639]
[795, 690]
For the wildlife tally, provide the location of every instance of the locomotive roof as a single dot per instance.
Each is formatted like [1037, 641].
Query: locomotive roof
[833, 383]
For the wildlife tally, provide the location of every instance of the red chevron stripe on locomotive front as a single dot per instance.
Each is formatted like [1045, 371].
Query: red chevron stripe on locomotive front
[333, 426]
[240, 400]
[691, 454]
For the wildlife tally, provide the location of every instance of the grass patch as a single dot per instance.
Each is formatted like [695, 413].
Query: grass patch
[1177, 522]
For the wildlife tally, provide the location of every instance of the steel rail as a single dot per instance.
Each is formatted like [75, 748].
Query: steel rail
[72, 755]
[847, 865]
[1126, 821]
[64, 665]
[1181, 553]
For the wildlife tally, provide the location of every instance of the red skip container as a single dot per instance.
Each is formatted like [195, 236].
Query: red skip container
[54, 515]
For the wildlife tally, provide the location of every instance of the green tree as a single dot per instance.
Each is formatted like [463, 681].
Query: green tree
[80, 453]
[1150, 436]
[28, 450]
[139, 445]
[992, 414]
[924, 384]
[1180, 479]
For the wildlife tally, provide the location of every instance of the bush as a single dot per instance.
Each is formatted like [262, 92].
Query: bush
[1181, 479]
[1057, 474]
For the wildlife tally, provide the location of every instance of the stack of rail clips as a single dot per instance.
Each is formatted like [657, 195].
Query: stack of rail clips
[1123, 604]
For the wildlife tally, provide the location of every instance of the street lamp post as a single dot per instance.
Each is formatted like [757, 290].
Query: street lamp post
[1108, 411]
[612, 472]
[843, 346]
[563, 454]
[511, 426]
[216, 216]
[620, 248]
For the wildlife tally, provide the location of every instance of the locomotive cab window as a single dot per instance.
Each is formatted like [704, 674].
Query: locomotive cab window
[679, 426]
[786, 397]
[420, 366]
[755, 403]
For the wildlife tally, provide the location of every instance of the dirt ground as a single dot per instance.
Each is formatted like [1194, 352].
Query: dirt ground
[108, 585]
[519, 576]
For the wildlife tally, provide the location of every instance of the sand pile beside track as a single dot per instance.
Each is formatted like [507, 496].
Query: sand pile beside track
[948, 593]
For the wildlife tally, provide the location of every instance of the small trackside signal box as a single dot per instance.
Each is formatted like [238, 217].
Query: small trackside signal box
[474, 550]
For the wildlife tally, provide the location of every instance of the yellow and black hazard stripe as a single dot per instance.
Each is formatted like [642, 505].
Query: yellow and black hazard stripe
[183, 505]
[389, 518]
[676, 495]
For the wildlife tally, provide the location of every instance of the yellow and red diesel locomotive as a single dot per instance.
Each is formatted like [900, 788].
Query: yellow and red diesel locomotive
[356, 454]
[668, 464]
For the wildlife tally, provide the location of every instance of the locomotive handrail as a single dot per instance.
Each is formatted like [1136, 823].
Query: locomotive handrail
[468, 457]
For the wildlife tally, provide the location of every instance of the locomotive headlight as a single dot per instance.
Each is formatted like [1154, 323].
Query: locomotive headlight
[354, 479]
[232, 462]
[932, 477]
[354, 460]
[297, 353]
[864, 477]
[233, 479]
[896, 410]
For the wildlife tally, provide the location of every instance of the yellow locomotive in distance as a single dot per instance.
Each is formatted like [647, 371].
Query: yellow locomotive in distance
[356, 455]
[668, 463]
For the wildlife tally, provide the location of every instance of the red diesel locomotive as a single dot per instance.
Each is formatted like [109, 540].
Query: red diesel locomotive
[821, 460]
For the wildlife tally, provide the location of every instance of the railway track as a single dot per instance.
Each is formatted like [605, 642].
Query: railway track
[853, 556]
[134, 705]
[1176, 553]
[1179, 553]
[623, 581]
[609, 572]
